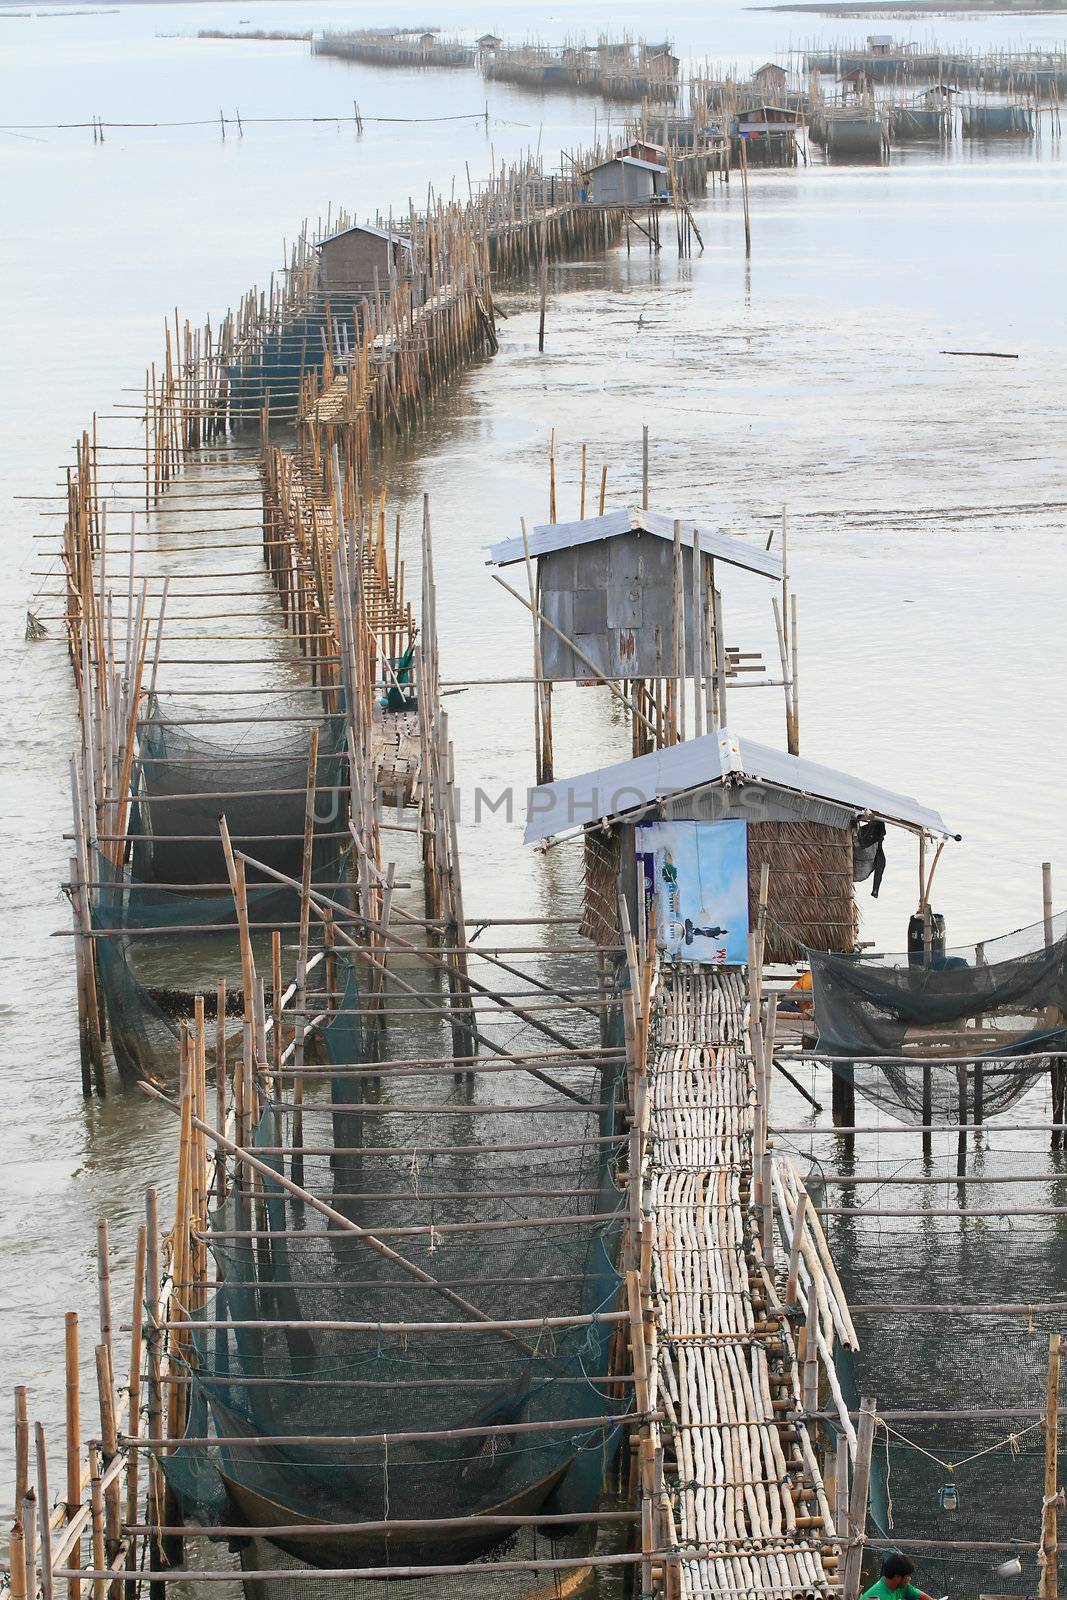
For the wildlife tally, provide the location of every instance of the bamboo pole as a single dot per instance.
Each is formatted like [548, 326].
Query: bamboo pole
[1048, 1554]
[109, 1448]
[799, 1217]
[744, 195]
[29, 1534]
[73, 1429]
[22, 1448]
[98, 1535]
[134, 1409]
[858, 1499]
[17, 1560]
[44, 1513]
[542, 714]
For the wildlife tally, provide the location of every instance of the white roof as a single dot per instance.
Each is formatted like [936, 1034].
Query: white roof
[550, 536]
[366, 227]
[628, 161]
[609, 792]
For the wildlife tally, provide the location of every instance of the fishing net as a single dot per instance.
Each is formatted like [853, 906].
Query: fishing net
[148, 979]
[183, 783]
[988, 1365]
[518, 1234]
[481, 1579]
[993, 1012]
[157, 944]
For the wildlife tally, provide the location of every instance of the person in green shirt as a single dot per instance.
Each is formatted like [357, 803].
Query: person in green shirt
[895, 1582]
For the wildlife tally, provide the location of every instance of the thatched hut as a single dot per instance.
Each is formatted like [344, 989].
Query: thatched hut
[801, 819]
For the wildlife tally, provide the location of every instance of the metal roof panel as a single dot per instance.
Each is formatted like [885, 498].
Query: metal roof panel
[550, 536]
[366, 227]
[609, 792]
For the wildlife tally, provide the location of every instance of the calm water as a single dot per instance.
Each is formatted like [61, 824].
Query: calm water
[925, 496]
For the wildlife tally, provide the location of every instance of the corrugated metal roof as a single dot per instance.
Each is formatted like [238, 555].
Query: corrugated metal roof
[628, 161]
[551, 536]
[608, 792]
[366, 227]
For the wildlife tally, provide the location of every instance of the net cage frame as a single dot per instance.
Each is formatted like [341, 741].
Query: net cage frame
[381, 1382]
[143, 1015]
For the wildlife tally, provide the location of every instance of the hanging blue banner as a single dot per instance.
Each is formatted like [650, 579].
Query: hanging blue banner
[697, 874]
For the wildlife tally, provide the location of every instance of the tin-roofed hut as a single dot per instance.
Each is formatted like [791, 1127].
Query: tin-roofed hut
[771, 79]
[646, 150]
[358, 259]
[625, 181]
[796, 816]
[769, 133]
[632, 597]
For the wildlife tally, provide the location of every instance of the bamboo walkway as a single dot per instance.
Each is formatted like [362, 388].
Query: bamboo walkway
[750, 1495]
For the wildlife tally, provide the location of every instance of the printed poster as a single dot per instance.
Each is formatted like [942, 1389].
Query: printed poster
[697, 874]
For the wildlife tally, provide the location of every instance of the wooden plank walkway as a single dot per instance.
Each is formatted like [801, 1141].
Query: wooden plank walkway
[395, 747]
[750, 1496]
[335, 403]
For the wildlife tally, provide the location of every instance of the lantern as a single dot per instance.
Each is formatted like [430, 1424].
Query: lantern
[949, 1497]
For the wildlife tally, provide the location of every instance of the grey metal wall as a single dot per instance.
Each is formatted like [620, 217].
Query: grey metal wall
[610, 597]
[618, 184]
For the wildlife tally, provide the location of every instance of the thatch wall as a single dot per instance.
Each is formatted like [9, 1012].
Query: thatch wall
[811, 896]
[600, 901]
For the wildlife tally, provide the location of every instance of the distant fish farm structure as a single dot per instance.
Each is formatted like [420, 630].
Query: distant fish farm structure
[852, 127]
[402, 47]
[885, 60]
[623, 69]
[993, 121]
[617, 69]
[860, 103]
[263, 35]
[760, 117]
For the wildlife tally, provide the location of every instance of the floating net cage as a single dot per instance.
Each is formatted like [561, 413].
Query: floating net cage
[971, 1362]
[465, 1202]
[287, 354]
[257, 777]
[259, 782]
[993, 1012]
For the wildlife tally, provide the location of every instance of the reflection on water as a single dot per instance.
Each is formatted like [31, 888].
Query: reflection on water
[925, 516]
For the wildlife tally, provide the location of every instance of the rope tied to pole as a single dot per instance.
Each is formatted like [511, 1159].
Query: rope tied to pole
[1011, 1441]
